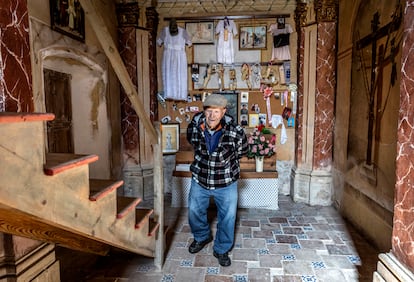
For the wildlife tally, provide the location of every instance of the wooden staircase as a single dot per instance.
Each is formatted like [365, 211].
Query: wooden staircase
[51, 198]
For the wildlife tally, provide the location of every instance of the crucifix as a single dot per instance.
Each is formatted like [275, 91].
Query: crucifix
[376, 74]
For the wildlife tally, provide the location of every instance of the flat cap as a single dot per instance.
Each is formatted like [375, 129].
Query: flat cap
[215, 100]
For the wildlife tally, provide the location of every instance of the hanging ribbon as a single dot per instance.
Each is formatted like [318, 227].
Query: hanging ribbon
[267, 93]
[293, 96]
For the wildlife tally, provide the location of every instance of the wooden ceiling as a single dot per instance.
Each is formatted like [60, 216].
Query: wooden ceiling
[195, 8]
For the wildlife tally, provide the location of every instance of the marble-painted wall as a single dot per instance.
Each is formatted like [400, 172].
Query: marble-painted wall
[15, 94]
[403, 236]
[325, 95]
[15, 68]
[130, 121]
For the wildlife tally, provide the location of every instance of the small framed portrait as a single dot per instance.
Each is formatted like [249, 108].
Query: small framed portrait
[252, 37]
[67, 17]
[253, 120]
[281, 23]
[255, 108]
[170, 135]
[200, 32]
[262, 119]
[244, 110]
[244, 97]
[244, 120]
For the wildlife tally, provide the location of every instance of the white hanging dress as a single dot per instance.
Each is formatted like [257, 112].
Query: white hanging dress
[281, 53]
[226, 30]
[174, 63]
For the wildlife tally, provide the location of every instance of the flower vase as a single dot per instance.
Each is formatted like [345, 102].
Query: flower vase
[259, 164]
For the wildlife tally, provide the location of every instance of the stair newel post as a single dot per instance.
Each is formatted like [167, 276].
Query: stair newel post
[159, 198]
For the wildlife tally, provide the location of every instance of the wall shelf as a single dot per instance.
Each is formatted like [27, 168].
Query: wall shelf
[273, 63]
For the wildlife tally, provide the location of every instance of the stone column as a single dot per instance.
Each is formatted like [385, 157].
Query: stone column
[152, 25]
[402, 239]
[128, 15]
[312, 174]
[301, 23]
[400, 261]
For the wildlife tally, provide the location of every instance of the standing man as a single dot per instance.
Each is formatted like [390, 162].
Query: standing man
[219, 143]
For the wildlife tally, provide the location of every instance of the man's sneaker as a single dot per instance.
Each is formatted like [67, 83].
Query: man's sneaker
[195, 246]
[223, 259]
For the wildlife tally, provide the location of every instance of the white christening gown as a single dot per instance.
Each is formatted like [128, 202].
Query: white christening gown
[226, 30]
[174, 63]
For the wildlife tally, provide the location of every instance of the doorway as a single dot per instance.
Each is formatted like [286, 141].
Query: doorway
[58, 101]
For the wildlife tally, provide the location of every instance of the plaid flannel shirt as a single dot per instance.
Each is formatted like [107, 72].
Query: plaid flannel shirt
[221, 167]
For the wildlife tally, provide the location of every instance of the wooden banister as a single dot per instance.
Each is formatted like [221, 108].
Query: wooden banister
[104, 36]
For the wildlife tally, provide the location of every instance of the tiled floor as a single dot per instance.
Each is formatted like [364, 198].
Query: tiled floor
[295, 243]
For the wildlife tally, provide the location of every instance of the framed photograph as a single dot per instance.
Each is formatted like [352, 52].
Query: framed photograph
[253, 120]
[170, 135]
[262, 119]
[252, 37]
[244, 97]
[232, 103]
[200, 32]
[244, 120]
[67, 17]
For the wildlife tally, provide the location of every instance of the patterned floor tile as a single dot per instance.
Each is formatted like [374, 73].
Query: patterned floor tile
[318, 264]
[167, 278]
[240, 278]
[309, 278]
[212, 270]
[294, 244]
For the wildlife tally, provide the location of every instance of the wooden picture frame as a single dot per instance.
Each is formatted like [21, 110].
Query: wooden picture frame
[67, 17]
[170, 138]
[252, 37]
[200, 32]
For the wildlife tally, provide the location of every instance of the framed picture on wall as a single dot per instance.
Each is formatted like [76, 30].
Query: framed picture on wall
[232, 103]
[201, 32]
[170, 136]
[67, 17]
[252, 37]
[253, 120]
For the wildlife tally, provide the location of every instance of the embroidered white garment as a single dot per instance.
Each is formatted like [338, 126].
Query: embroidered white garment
[226, 30]
[174, 63]
[280, 53]
[276, 121]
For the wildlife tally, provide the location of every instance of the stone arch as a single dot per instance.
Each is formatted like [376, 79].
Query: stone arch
[357, 184]
[67, 59]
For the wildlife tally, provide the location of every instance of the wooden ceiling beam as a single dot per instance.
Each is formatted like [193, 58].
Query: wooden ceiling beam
[231, 17]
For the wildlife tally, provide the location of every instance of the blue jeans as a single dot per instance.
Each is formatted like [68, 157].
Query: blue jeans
[226, 202]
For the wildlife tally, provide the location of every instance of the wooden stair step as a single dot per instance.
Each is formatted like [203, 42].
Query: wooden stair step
[153, 227]
[142, 217]
[56, 162]
[99, 188]
[126, 205]
[9, 117]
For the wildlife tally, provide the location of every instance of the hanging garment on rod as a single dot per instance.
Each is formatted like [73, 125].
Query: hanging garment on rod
[226, 30]
[281, 36]
[174, 63]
